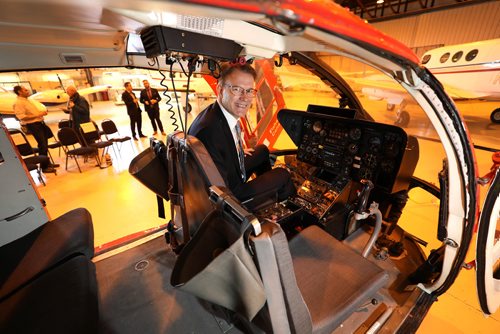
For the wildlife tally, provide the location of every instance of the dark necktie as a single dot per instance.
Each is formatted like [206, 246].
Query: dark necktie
[149, 94]
[241, 152]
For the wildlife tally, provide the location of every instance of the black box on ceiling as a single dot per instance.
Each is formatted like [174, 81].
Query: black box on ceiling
[158, 40]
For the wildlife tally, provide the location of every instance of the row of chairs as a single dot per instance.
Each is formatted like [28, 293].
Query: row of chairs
[29, 154]
[90, 140]
[87, 144]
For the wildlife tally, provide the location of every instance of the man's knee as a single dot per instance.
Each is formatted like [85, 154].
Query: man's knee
[286, 187]
[261, 150]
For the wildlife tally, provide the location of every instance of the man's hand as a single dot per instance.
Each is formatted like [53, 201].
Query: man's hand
[71, 104]
[248, 151]
[146, 103]
[153, 101]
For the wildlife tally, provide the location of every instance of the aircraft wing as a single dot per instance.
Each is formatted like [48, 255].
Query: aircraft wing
[7, 101]
[379, 87]
[58, 96]
[457, 93]
[93, 89]
[53, 96]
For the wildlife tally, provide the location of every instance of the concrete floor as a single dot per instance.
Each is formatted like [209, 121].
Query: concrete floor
[121, 206]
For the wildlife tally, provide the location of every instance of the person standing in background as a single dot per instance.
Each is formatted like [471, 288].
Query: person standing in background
[133, 110]
[78, 107]
[29, 116]
[150, 98]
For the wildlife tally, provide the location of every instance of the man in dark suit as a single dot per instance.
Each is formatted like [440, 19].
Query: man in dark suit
[150, 98]
[218, 128]
[133, 110]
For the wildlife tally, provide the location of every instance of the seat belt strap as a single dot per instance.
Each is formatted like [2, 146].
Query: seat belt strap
[268, 268]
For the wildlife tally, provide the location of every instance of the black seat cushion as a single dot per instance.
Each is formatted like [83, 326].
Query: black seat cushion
[45, 247]
[62, 300]
[334, 280]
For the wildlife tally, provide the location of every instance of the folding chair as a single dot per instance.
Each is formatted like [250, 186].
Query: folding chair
[111, 133]
[69, 139]
[33, 161]
[92, 138]
[52, 144]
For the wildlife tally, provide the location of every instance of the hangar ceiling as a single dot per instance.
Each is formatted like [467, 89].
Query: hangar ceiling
[380, 10]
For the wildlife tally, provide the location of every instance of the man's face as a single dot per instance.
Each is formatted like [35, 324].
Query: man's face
[128, 88]
[234, 104]
[24, 92]
[146, 84]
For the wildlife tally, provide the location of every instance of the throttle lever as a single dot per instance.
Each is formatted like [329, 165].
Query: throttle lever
[363, 195]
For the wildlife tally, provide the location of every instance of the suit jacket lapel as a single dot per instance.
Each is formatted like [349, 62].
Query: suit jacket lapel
[229, 135]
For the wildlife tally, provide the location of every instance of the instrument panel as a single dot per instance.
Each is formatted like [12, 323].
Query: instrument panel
[348, 148]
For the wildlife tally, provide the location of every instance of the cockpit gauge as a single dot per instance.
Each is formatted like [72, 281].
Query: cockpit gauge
[387, 166]
[353, 148]
[374, 143]
[391, 149]
[369, 160]
[317, 126]
[365, 173]
[355, 133]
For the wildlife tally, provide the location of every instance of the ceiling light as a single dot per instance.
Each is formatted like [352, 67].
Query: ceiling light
[380, 1]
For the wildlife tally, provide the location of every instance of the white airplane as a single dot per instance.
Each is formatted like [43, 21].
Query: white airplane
[467, 71]
[43, 99]
[59, 96]
[8, 99]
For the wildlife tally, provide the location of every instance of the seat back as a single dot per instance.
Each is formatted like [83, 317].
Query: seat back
[21, 142]
[109, 127]
[67, 136]
[317, 273]
[89, 132]
[191, 173]
[64, 123]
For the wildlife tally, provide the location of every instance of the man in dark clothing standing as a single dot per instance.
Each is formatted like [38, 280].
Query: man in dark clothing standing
[78, 107]
[150, 98]
[133, 110]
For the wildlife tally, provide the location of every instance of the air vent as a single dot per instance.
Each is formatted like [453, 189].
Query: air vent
[72, 58]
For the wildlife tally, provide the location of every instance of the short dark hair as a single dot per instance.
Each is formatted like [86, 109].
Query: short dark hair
[126, 84]
[228, 69]
[17, 89]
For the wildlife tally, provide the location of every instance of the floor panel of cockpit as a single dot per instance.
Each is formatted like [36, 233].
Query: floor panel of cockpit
[135, 295]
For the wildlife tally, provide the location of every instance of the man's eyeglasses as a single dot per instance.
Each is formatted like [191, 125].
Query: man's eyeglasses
[240, 91]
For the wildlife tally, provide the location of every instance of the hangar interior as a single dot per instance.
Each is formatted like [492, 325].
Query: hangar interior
[422, 25]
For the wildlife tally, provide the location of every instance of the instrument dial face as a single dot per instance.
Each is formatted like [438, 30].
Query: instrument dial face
[317, 126]
[353, 148]
[370, 160]
[387, 166]
[374, 143]
[355, 133]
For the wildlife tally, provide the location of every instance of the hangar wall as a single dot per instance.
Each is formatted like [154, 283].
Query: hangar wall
[453, 26]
